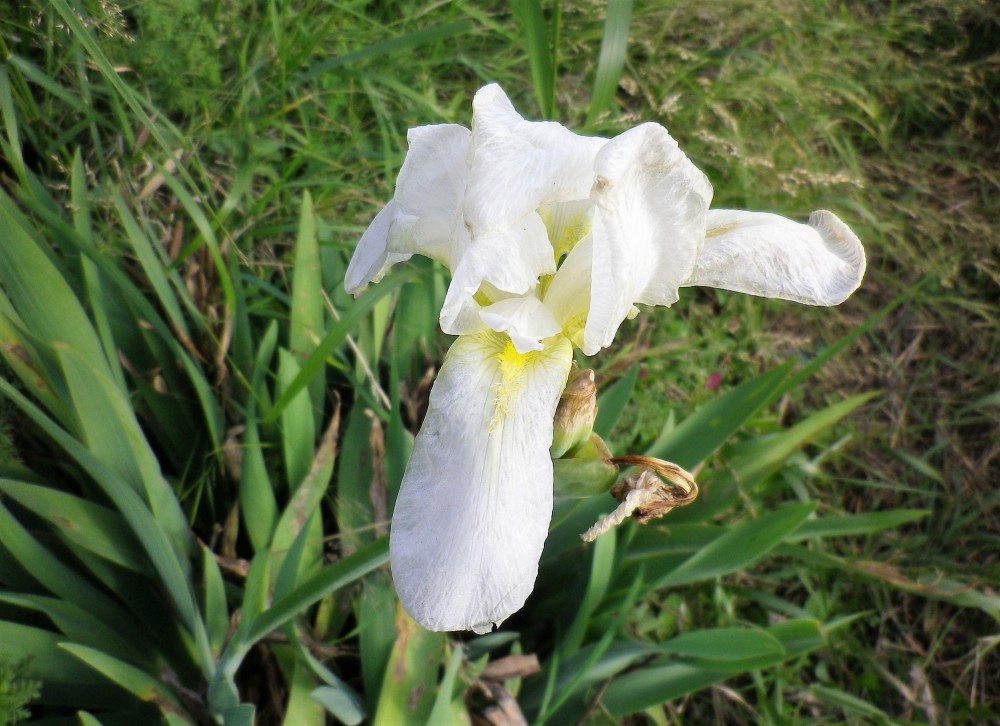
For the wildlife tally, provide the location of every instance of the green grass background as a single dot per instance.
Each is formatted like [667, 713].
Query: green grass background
[201, 434]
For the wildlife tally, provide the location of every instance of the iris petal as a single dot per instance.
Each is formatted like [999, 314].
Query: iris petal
[820, 263]
[650, 223]
[476, 499]
[431, 187]
[525, 319]
[372, 257]
[518, 166]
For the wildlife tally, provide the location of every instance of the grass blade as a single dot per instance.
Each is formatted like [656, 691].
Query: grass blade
[540, 54]
[611, 61]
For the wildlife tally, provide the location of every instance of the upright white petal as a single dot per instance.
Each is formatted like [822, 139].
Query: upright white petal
[474, 506]
[820, 263]
[372, 257]
[568, 293]
[517, 166]
[650, 222]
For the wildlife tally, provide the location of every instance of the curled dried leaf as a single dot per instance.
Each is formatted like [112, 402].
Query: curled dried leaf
[651, 491]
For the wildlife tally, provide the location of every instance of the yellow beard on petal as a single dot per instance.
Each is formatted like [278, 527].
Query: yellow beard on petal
[512, 367]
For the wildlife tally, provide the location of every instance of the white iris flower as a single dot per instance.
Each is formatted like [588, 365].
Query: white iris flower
[552, 239]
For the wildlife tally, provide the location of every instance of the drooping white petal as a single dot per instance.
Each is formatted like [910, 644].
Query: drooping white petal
[525, 319]
[425, 215]
[474, 506]
[373, 257]
[650, 223]
[517, 166]
[820, 263]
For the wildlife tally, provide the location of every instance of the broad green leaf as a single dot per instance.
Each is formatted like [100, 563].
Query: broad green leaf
[79, 624]
[710, 426]
[222, 692]
[857, 524]
[657, 684]
[241, 715]
[132, 679]
[414, 324]
[49, 663]
[112, 434]
[540, 53]
[335, 693]
[441, 714]
[12, 145]
[306, 499]
[355, 472]
[56, 316]
[300, 707]
[586, 670]
[574, 678]
[169, 567]
[24, 362]
[257, 501]
[738, 548]
[146, 334]
[255, 595]
[724, 644]
[407, 693]
[375, 609]
[306, 319]
[763, 458]
[339, 704]
[98, 305]
[297, 432]
[329, 580]
[53, 574]
[214, 608]
[601, 572]
[91, 526]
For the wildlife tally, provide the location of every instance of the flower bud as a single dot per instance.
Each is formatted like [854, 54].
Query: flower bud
[574, 419]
